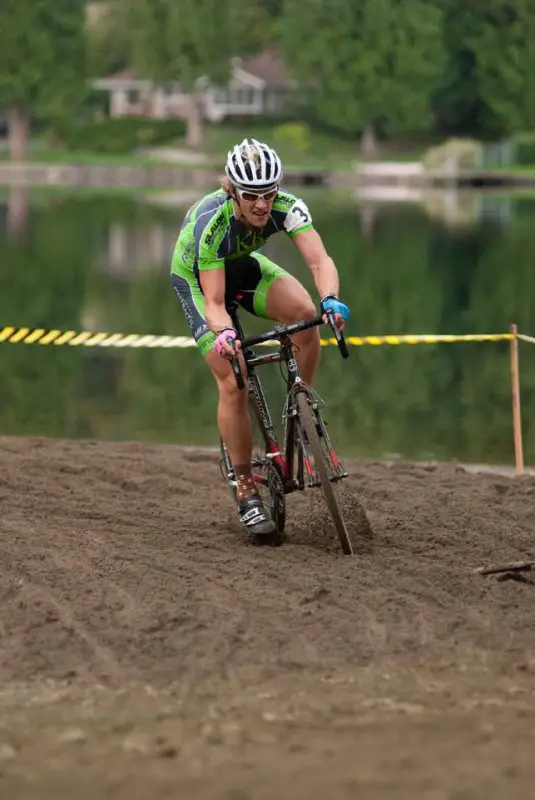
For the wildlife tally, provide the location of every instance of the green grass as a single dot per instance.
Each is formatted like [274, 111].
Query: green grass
[53, 155]
[325, 151]
[43, 192]
[322, 151]
[520, 169]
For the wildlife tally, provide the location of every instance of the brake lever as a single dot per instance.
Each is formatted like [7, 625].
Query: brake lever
[235, 364]
[338, 335]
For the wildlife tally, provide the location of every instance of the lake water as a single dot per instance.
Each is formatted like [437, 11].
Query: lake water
[83, 260]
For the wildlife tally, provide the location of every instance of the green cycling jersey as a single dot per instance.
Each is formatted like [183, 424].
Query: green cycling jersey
[211, 234]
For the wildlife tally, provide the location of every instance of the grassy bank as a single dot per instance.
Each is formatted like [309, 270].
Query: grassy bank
[315, 150]
[300, 147]
[55, 155]
[303, 148]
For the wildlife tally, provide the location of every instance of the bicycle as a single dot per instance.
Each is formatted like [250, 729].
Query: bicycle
[278, 472]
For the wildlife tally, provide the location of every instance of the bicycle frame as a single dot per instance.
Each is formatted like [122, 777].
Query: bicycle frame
[291, 473]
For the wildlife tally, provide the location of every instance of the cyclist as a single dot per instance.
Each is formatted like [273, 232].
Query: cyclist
[216, 261]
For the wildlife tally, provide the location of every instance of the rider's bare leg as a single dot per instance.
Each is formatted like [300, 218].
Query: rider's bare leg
[234, 422]
[235, 427]
[288, 301]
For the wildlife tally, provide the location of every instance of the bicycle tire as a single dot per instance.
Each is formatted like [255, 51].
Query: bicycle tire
[263, 466]
[308, 423]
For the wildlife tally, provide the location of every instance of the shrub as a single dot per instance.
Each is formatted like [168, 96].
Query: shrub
[524, 149]
[120, 135]
[461, 153]
[293, 135]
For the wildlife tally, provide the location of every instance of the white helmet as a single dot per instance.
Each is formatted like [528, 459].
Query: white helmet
[253, 165]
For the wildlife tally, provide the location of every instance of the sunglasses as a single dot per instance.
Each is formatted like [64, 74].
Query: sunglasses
[252, 197]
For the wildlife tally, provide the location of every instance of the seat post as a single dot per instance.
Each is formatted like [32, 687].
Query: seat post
[232, 309]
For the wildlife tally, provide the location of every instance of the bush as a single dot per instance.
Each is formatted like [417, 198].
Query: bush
[459, 153]
[121, 135]
[524, 149]
[293, 135]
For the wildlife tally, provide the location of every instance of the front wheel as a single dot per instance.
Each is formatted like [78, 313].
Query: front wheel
[308, 423]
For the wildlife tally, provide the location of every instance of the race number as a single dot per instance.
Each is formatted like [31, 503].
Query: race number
[297, 217]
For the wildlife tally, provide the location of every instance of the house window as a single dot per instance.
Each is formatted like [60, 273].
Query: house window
[221, 96]
[242, 96]
[133, 96]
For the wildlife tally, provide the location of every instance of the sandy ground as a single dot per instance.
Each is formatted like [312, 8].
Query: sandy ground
[148, 651]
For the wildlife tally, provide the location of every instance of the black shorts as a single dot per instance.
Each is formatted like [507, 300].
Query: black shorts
[247, 281]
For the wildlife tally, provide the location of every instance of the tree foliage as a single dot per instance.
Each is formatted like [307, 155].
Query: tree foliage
[42, 59]
[176, 40]
[42, 47]
[488, 87]
[397, 67]
[375, 62]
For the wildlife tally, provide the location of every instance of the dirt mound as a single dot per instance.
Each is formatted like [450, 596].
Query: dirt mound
[122, 566]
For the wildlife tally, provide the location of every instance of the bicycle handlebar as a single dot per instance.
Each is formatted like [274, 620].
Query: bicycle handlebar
[281, 331]
[338, 335]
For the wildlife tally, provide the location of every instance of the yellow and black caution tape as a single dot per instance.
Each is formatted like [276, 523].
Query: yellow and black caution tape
[89, 338]
[42, 336]
[425, 338]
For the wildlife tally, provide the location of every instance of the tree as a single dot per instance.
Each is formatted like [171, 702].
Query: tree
[373, 63]
[42, 56]
[177, 41]
[108, 39]
[489, 81]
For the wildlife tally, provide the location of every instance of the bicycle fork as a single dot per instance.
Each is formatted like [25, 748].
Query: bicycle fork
[305, 463]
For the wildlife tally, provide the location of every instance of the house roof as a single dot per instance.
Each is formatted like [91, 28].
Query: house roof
[124, 79]
[263, 70]
[122, 75]
[269, 66]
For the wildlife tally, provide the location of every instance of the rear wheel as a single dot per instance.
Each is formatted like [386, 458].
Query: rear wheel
[268, 481]
[308, 423]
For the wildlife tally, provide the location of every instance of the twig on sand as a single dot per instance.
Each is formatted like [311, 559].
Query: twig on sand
[515, 566]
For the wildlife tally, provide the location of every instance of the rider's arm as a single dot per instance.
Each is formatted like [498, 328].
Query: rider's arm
[213, 287]
[299, 227]
[209, 234]
[310, 245]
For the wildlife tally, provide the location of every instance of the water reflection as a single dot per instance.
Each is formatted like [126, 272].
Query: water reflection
[101, 261]
[453, 207]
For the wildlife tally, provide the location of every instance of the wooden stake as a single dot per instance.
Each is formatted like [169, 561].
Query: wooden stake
[515, 394]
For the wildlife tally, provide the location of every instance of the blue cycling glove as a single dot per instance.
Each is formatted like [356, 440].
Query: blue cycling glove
[332, 303]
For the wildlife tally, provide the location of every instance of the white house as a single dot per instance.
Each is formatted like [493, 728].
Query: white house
[259, 85]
